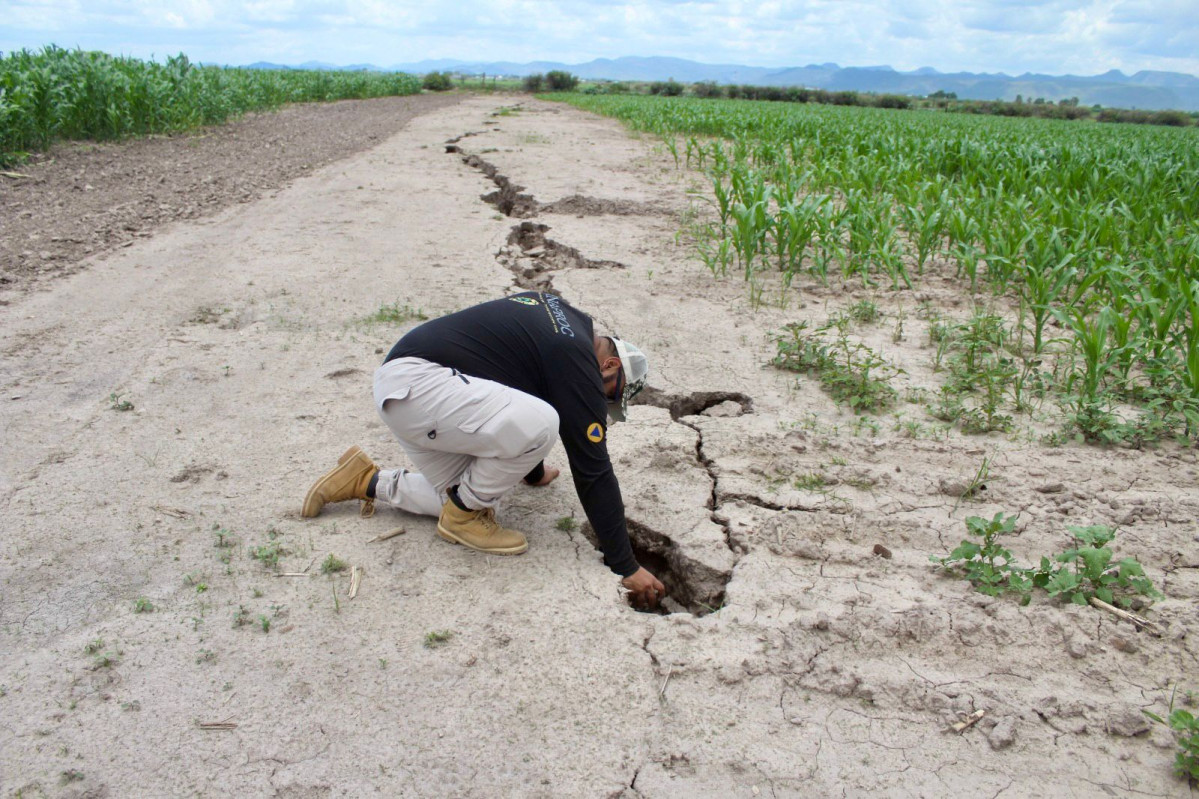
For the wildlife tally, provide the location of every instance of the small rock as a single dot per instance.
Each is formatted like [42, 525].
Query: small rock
[1002, 735]
[882, 551]
[821, 622]
[1128, 722]
[1076, 648]
[1051, 488]
[1125, 645]
[954, 488]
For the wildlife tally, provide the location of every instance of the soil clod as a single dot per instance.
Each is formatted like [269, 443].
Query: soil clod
[696, 402]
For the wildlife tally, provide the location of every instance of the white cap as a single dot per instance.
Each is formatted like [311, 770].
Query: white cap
[635, 368]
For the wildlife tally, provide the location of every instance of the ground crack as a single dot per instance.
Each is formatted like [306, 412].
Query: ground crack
[531, 256]
[508, 198]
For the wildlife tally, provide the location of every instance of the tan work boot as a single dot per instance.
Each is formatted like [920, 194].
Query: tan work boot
[349, 480]
[478, 529]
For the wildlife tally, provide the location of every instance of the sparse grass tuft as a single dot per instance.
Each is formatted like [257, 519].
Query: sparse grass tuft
[332, 564]
[142, 605]
[394, 314]
[435, 638]
[566, 524]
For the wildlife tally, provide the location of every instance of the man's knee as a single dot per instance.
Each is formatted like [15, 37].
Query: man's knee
[529, 428]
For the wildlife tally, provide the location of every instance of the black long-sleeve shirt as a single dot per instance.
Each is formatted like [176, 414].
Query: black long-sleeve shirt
[537, 343]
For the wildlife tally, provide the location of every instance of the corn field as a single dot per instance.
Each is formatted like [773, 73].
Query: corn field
[71, 94]
[1091, 232]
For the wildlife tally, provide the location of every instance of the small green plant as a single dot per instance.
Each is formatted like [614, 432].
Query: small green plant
[224, 537]
[566, 524]
[94, 646]
[142, 605]
[435, 638]
[69, 776]
[987, 564]
[205, 656]
[851, 373]
[812, 481]
[105, 660]
[1186, 732]
[394, 314]
[332, 564]
[241, 616]
[864, 312]
[268, 554]
[118, 404]
[265, 623]
[1093, 573]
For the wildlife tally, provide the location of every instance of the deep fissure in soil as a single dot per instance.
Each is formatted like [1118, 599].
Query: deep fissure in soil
[690, 585]
[508, 198]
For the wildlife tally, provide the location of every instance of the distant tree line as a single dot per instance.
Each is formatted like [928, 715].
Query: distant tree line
[1068, 109]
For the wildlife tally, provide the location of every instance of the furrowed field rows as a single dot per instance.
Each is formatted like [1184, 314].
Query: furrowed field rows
[1091, 233]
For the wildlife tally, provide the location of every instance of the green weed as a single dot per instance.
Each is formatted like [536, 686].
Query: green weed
[1186, 733]
[986, 563]
[332, 564]
[268, 554]
[394, 314]
[851, 373]
[436, 638]
[1093, 573]
[117, 404]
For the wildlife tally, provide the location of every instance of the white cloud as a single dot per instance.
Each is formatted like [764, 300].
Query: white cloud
[1080, 36]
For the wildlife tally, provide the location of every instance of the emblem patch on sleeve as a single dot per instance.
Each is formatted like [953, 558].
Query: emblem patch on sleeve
[595, 433]
[525, 300]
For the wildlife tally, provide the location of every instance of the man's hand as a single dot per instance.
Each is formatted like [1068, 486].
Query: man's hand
[550, 475]
[646, 590]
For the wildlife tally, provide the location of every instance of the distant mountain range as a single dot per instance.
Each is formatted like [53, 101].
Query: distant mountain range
[1113, 89]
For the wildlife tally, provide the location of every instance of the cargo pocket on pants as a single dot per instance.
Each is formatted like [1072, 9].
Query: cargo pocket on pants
[478, 414]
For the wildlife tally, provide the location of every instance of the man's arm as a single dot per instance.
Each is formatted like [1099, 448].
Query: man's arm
[583, 417]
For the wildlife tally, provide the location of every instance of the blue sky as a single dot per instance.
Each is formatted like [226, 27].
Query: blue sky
[1013, 36]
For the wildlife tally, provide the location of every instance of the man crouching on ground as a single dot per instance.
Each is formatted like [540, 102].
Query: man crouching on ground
[476, 399]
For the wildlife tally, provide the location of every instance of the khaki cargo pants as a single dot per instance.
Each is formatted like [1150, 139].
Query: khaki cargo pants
[480, 435]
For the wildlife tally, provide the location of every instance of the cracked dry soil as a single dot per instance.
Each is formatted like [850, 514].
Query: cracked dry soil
[811, 649]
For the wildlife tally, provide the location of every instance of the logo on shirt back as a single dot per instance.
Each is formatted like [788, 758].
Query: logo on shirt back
[595, 433]
[525, 300]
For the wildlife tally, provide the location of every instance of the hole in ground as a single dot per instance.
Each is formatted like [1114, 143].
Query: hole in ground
[691, 586]
[696, 402]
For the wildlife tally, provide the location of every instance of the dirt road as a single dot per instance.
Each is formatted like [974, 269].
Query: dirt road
[166, 407]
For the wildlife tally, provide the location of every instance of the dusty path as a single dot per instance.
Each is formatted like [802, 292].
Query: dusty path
[82, 198]
[242, 343]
